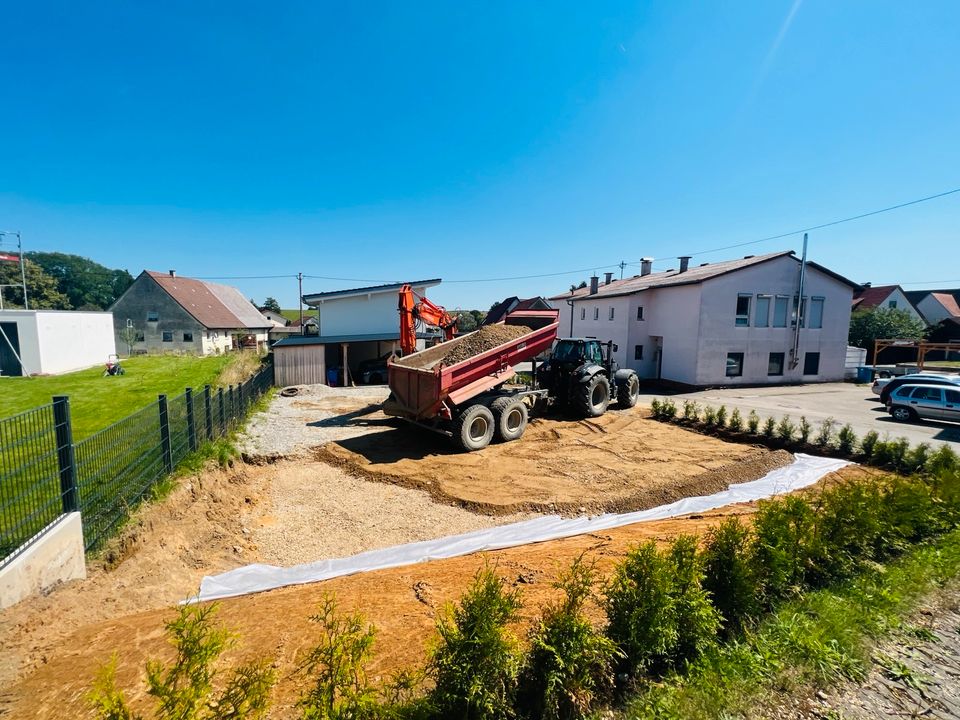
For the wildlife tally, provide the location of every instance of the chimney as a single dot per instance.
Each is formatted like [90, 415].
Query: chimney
[868, 284]
[684, 263]
[607, 278]
[173, 273]
[594, 284]
[646, 266]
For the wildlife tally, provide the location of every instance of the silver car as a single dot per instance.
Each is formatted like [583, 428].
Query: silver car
[933, 402]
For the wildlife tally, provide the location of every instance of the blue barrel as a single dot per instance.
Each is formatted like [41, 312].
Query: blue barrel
[864, 374]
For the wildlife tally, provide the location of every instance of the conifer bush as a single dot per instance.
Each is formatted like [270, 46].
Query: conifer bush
[869, 442]
[736, 420]
[769, 428]
[825, 433]
[695, 617]
[804, 429]
[691, 411]
[846, 440]
[721, 416]
[782, 529]
[709, 416]
[786, 430]
[753, 422]
[730, 575]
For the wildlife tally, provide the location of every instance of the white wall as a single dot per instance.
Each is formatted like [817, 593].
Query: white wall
[373, 313]
[603, 329]
[56, 557]
[674, 314]
[931, 309]
[54, 341]
[900, 302]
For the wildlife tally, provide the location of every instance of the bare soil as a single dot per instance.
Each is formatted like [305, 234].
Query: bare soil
[618, 462]
[402, 603]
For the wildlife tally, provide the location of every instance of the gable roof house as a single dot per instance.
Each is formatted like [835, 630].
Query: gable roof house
[723, 323]
[163, 312]
[936, 305]
[501, 309]
[884, 296]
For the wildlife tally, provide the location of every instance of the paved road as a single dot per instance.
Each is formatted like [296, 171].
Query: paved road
[844, 402]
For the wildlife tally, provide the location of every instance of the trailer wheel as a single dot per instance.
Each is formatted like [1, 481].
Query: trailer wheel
[510, 417]
[473, 428]
[628, 392]
[593, 397]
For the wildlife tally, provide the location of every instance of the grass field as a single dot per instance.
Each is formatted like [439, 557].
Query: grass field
[97, 401]
[295, 313]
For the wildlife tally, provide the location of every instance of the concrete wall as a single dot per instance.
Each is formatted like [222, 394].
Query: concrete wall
[57, 556]
[719, 334]
[674, 316]
[370, 314]
[146, 296]
[59, 341]
[601, 328]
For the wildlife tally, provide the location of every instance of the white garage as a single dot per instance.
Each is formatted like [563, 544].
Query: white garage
[49, 342]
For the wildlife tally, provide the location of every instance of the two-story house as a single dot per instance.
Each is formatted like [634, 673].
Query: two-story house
[724, 323]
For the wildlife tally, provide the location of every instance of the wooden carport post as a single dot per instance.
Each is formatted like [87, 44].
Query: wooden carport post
[346, 368]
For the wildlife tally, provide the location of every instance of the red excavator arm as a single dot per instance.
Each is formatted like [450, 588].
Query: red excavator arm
[414, 307]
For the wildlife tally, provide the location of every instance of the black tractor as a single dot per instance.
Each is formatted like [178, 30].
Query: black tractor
[582, 377]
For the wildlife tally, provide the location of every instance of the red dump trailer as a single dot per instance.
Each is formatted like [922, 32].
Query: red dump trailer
[466, 400]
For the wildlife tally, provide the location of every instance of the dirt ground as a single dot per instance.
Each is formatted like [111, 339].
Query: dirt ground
[618, 462]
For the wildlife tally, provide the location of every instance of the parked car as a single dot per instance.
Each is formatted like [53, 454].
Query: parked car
[374, 371]
[879, 384]
[915, 379]
[932, 402]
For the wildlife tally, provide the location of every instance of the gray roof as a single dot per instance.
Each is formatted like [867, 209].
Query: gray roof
[314, 298]
[694, 275]
[236, 303]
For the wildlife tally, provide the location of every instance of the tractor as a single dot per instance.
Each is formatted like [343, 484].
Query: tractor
[582, 378]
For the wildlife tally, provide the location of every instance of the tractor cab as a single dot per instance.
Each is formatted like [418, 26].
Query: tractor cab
[579, 351]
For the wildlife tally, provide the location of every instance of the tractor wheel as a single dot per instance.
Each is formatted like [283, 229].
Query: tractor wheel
[473, 428]
[510, 418]
[628, 392]
[593, 397]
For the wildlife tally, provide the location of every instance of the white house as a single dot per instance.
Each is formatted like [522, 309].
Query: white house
[353, 327]
[938, 306]
[889, 297]
[725, 323]
[49, 342]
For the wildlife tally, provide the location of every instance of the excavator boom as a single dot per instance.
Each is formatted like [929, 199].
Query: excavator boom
[413, 307]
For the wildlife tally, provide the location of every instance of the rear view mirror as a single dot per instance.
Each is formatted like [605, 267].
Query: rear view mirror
[615, 348]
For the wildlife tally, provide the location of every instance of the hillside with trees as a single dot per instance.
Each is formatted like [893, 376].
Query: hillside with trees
[59, 281]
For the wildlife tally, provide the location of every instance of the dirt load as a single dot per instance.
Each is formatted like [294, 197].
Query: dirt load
[618, 462]
[466, 347]
[402, 603]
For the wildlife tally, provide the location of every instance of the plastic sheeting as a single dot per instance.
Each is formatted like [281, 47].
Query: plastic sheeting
[804, 471]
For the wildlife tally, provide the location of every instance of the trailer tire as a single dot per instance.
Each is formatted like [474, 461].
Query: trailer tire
[473, 428]
[628, 392]
[510, 418]
[593, 396]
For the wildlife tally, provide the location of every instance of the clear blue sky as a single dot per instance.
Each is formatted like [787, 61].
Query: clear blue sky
[476, 140]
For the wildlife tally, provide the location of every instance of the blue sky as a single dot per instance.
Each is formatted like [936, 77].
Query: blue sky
[478, 140]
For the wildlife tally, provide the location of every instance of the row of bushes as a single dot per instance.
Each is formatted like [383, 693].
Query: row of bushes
[664, 607]
[827, 437]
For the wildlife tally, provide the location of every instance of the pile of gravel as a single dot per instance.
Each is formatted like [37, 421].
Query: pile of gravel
[486, 338]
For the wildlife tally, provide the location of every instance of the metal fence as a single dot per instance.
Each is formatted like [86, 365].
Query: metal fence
[44, 474]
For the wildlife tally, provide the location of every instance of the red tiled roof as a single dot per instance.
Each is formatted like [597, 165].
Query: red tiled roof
[872, 296]
[204, 302]
[949, 303]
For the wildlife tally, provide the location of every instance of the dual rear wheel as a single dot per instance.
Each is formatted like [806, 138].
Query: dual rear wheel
[506, 419]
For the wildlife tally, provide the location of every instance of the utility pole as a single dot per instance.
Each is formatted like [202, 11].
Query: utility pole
[622, 266]
[300, 298]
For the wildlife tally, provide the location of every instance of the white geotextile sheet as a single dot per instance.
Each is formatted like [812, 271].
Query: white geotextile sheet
[805, 470]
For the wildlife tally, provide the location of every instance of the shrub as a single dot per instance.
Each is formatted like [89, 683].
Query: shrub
[736, 421]
[782, 529]
[868, 443]
[846, 440]
[910, 512]
[640, 610]
[696, 619]
[753, 422]
[848, 523]
[916, 458]
[691, 411]
[943, 462]
[663, 409]
[769, 428]
[786, 430]
[709, 416]
[825, 433]
[722, 416]
[804, 429]
[184, 689]
[729, 574]
[475, 662]
[656, 410]
[570, 663]
[897, 450]
[337, 665]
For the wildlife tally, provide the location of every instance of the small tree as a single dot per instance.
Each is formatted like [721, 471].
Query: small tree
[866, 326]
[128, 334]
[271, 304]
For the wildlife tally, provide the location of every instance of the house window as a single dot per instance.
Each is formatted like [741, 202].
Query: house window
[892, 304]
[775, 364]
[734, 364]
[780, 311]
[583, 313]
[761, 316]
[811, 363]
[803, 312]
[638, 352]
[596, 313]
[153, 316]
[611, 314]
[139, 337]
[816, 313]
[743, 310]
[640, 312]
[188, 337]
[167, 336]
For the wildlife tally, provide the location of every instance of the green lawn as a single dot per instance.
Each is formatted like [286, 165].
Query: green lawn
[295, 313]
[97, 401]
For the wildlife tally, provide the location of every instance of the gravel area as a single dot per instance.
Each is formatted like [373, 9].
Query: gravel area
[318, 414]
[312, 511]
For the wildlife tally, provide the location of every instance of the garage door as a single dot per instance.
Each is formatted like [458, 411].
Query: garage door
[9, 365]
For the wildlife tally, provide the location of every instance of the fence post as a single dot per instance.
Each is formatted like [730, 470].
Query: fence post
[207, 414]
[191, 422]
[223, 412]
[165, 434]
[65, 456]
[233, 406]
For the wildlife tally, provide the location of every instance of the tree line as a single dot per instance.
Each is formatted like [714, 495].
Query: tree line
[60, 281]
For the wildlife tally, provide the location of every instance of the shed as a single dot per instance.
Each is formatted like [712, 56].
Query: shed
[49, 342]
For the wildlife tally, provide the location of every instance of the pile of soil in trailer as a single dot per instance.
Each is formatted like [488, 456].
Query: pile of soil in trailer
[618, 462]
[402, 603]
[486, 338]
